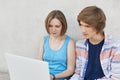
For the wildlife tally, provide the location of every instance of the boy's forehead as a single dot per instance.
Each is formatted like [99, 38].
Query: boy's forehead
[83, 23]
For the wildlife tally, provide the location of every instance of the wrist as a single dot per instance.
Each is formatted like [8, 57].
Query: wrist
[53, 77]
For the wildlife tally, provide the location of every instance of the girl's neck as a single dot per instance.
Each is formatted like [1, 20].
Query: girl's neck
[56, 42]
[57, 38]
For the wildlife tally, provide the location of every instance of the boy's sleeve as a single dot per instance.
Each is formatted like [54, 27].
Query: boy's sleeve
[115, 66]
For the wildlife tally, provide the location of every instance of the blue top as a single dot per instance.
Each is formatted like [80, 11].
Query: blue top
[94, 69]
[57, 59]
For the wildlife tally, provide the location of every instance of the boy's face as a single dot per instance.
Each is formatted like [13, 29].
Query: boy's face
[88, 31]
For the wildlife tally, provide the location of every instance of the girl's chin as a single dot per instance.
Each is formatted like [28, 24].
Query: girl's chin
[55, 35]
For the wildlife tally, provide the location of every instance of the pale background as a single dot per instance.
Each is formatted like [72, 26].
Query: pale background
[22, 23]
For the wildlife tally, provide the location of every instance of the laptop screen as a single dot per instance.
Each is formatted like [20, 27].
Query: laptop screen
[24, 68]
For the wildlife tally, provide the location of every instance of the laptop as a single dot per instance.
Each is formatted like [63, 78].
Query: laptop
[24, 68]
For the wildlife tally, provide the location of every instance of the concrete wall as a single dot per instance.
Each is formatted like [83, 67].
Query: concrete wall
[22, 23]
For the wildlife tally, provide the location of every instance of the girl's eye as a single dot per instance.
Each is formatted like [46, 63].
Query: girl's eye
[57, 26]
[50, 26]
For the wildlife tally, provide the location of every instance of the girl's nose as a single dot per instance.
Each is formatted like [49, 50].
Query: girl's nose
[53, 28]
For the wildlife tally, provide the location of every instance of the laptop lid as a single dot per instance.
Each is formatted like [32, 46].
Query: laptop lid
[24, 68]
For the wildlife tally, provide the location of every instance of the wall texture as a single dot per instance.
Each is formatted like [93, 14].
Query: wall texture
[22, 23]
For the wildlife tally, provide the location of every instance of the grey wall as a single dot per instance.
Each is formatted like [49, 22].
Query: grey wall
[22, 23]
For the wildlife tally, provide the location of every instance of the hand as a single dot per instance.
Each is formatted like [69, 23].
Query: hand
[51, 77]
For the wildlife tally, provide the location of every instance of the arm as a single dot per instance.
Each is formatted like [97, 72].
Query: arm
[40, 52]
[70, 61]
[77, 69]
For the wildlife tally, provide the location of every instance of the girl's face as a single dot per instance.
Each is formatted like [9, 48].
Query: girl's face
[88, 31]
[55, 27]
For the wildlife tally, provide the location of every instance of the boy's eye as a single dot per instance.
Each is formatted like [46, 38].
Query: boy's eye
[79, 24]
[87, 26]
